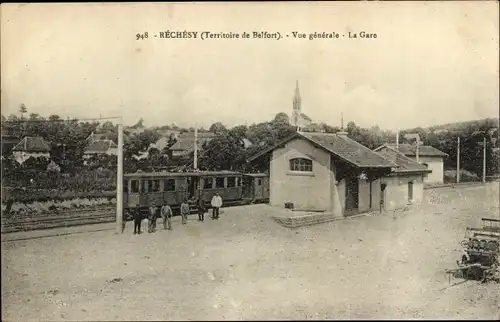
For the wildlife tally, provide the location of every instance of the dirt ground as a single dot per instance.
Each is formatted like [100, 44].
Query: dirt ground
[245, 266]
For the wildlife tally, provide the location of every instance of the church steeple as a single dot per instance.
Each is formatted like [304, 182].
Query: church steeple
[296, 97]
[297, 100]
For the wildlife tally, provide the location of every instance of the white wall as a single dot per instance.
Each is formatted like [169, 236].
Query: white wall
[436, 165]
[21, 156]
[308, 191]
[396, 192]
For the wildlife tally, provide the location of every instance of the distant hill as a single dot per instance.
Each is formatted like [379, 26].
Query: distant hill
[460, 126]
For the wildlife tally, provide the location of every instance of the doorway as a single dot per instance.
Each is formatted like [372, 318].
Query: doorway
[351, 195]
[410, 191]
[193, 187]
[382, 196]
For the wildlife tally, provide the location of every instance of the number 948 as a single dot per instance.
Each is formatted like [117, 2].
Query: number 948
[142, 36]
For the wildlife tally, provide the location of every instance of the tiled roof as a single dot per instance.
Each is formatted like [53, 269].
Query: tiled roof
[186, 144]
[101, 146]
[348, 149]
[404, 164]
[410, 150]
[97, 137]
[190, 135]
[341, 146]
[32, 144]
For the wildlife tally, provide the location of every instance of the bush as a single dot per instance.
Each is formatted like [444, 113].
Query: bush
[450, 176]
[37, 207]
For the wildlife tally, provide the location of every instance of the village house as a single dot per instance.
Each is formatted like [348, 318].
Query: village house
[405, 184]
[93, 137]
[185, 143]
[100, 147]
[35, 147]
[333, 173]
[428, 156]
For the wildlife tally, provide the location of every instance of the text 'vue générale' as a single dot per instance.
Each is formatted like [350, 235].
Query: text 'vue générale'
[206, 35]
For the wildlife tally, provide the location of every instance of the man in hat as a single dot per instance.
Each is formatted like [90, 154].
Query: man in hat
[216, 204]
[152, 217]
[137, 219]
[184, 211]
[166, 214]
[201, 209]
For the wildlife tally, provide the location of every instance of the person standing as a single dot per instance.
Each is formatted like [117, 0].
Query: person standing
[137, 219]
[201, 209]
[166, 214]
[216, 204]
[184, 211]
[152, 217]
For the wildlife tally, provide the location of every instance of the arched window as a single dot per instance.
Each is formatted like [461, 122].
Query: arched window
[301, 164]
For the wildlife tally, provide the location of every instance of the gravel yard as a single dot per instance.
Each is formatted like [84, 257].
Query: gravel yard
[246, 266]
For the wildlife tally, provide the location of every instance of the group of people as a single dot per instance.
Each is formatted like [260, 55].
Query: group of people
[166, 214]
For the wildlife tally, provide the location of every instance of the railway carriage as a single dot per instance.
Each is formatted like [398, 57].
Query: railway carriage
[142, 188]
[255, 187]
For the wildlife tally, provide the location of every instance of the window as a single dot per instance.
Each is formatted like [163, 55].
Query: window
[125, 186]
[231, 182]
[144, 186]
[259, 182]
[425, 165]
[301, 164]
[153, 185]
[207, 183]
[169, 185]
[134, 186]
[219, 182]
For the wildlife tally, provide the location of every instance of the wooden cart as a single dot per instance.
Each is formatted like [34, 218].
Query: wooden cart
[482, 252]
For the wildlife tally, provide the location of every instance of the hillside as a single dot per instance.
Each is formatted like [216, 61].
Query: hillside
[461, 126]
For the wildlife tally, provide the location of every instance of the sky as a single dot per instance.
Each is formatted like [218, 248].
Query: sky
[431, 63]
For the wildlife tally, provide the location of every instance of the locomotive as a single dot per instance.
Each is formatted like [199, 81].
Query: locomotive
[142, 188]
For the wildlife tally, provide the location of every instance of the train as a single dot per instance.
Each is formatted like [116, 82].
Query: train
[141, 189]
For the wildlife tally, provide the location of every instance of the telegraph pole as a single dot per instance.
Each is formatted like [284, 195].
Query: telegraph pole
[418, 143]
[397, 140]
[458, 159]
[484, 159]
[195, 163]
[119, 180]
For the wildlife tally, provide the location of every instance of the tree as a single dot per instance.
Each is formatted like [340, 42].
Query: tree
[140, 142]
[22, 110]
[139, 124]
[155, 157]
[224, 152]
[330, 129]
[217, 128]
[239, 131]
[281, 118]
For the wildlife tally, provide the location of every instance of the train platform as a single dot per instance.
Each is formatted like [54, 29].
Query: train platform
[54, 232]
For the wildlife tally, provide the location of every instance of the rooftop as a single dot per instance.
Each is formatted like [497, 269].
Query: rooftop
[180, 174]
[404, 164]
[410, 150]
[341, 146]
[100, 146]
[32, 144]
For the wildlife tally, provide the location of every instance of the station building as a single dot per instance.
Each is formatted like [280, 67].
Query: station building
[333, 173]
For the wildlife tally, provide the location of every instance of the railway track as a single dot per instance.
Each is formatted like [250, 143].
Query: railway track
[48, 221]
[80, 217]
